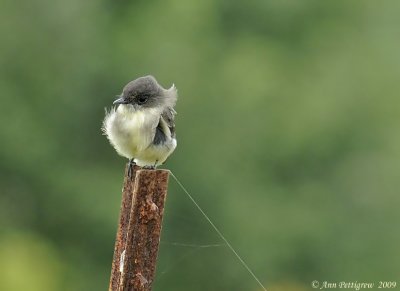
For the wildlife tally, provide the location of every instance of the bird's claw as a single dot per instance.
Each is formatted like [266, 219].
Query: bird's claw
[131, 164]
[151, 167]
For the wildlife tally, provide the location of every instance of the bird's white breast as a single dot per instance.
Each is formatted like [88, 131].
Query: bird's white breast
[131, 131]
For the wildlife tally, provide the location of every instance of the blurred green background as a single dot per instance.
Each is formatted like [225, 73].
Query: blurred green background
[288, 137]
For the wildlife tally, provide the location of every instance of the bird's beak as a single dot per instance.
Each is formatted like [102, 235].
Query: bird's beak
[120, 100]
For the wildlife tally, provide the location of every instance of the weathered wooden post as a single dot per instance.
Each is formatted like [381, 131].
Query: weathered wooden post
[139, 229]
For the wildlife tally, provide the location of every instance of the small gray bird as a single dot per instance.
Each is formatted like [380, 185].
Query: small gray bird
[142, 126]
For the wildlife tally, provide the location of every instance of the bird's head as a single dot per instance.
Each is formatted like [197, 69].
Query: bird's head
[145, 92]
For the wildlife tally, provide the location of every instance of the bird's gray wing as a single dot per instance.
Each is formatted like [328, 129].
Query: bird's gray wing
[169, 117]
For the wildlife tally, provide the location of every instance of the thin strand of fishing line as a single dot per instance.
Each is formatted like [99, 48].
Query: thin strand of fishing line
[192, 245]
[219, 233]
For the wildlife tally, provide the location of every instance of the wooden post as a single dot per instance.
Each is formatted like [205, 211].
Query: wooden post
[139, 229]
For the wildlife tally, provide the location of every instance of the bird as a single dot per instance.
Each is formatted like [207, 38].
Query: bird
[141, 125]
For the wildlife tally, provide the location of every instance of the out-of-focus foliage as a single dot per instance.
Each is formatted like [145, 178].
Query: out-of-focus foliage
[288, 128]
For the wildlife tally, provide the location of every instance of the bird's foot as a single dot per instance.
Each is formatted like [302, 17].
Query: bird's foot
[131, 164]
[151, 167]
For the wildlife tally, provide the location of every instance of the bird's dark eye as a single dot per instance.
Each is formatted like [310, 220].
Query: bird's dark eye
[142, 99]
